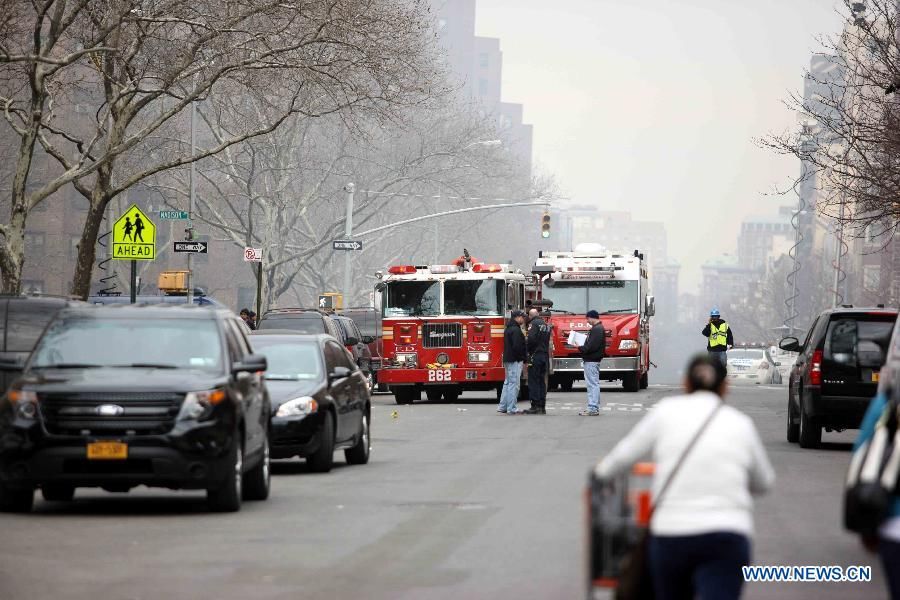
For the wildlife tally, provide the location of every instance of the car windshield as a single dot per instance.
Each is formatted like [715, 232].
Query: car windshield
[366, 321]
[289, 360]
[412, 298]
[745, 354]
[473, 297]
[86, 342]
[306, 324]
[602, 296]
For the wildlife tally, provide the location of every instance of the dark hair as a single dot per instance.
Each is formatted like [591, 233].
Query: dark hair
[705, 374]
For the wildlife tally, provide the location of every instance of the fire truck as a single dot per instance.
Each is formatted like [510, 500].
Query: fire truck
[443, 326]
[615, 284]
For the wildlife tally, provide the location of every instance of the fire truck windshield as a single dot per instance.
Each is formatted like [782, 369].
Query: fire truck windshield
[473, 297]
[412, 298]
[603, 296]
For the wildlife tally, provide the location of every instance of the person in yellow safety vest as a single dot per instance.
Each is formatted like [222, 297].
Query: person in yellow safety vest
[720, 337]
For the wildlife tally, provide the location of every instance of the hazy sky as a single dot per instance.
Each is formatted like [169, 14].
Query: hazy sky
[651, 105]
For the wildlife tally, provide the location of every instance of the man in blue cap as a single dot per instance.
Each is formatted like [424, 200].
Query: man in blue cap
[592, 352]
[720, 337]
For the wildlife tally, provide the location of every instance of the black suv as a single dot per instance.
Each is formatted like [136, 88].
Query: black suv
[357, 345]
[301, 320]
[121, 396]
[836, 372]
[22, 320]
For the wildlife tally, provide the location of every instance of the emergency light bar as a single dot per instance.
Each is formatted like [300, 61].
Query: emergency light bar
[442, 269]
[584, 275]
[487, 268]
[402, 270]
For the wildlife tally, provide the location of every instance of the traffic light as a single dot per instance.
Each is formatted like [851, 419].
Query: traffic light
[545, 225]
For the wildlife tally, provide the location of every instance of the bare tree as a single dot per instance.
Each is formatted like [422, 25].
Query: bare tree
[260, 61]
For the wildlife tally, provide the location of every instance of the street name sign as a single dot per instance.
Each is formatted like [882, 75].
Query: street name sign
[134, 236]
[252, 254]
[347, 245]
[179, 215]
[197, 247]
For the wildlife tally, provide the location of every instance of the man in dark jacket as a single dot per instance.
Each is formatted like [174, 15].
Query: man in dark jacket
[720, 337]
[592, 352]
[538, 345]
[514, 355]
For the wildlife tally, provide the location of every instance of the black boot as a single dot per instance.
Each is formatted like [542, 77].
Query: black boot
[535, 410]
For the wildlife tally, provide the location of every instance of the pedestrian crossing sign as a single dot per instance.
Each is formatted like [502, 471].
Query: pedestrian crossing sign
[134, 236]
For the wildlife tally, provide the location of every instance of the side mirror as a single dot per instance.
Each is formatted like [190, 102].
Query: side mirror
[651, 306]
[352, 341]
[379, 287]
[338, 373]
[252, 363]
[790, 344]
[368, 339]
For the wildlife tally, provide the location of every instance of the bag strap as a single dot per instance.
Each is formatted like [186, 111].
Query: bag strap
[687, 450]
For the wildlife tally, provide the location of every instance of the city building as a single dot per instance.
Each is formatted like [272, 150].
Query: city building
[763, 239]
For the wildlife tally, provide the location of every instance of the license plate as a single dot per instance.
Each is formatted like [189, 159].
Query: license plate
[107, 451]
[875, 377]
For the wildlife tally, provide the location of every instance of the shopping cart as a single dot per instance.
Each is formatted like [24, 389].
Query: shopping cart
[618, 509]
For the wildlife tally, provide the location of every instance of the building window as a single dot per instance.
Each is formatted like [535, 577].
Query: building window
[483, 60]
[34, 244]
[872, 277]
[482, 87]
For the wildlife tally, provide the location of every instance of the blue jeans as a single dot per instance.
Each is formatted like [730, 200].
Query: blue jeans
[510, 392]
[592, 380]
[722, 357]
[706, 566]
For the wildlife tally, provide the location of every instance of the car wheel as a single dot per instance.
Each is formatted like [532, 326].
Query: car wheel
[645, 381]
[227, 497]
[258, 480]
[323, 458]
[433, 395]
[566, 384]
[57, 493]
[359, 454]
[793, 428]
[631, 383]
[406, 395]
[16, 499]
[810, 434]
[451, 395]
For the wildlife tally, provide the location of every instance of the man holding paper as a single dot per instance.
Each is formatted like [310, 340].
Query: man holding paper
[592, 349]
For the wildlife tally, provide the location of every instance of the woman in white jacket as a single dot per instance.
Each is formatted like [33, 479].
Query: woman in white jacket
[700, 532]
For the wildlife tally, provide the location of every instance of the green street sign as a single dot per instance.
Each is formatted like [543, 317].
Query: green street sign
[173, 214]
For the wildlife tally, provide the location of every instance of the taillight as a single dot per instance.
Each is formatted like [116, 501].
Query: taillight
[815, 368]
[406, 334]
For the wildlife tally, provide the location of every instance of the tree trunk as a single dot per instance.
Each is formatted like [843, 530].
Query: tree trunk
[12, 254]
[87, 246]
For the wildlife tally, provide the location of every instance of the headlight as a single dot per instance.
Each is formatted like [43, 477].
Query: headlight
[297, 407]
[25, 403]
[407, 358]
[479, 356]
[199, 405]
[628, 345]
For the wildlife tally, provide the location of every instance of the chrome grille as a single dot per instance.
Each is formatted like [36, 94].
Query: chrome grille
[442, 335]
[148, 413]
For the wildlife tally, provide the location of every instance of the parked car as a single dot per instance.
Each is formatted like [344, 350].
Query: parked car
[320, 399]
[200, 299]
[121, 396]
[357, 345]
[836, 372]
[752, 365]
[369, 322]
[22, 320]
[300, 320]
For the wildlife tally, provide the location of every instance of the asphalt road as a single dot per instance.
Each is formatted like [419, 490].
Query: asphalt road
[457, 502]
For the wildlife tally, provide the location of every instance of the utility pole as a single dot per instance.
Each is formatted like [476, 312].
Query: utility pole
[348, 232]
[191, 178]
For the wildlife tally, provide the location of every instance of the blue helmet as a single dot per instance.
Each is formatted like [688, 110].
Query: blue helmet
[714, 312]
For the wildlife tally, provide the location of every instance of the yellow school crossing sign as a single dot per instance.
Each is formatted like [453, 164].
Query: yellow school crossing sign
[134, 236]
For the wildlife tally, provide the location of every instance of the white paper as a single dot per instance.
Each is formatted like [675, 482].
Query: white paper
[576, 339]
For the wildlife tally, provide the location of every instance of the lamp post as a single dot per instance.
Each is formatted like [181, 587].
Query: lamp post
[348, 231]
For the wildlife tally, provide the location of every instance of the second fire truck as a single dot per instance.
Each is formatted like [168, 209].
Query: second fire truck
[443, 327]
[616, 285]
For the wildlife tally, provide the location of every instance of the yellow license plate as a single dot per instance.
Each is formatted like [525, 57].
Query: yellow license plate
[107, 451]
[875, 377]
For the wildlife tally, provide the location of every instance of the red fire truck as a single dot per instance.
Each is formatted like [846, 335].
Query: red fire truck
[616, 285]
[443, 327]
